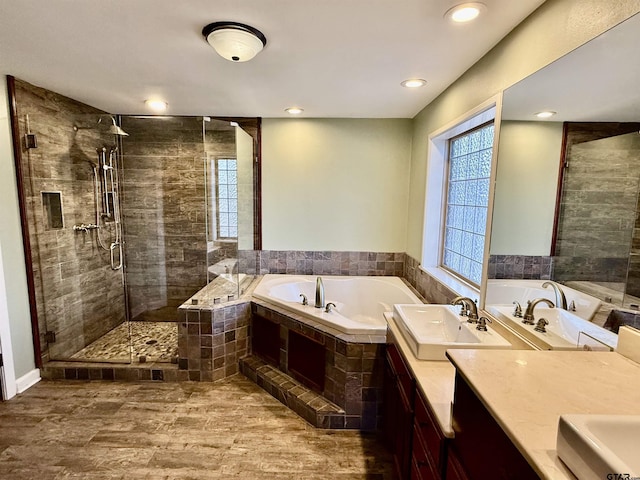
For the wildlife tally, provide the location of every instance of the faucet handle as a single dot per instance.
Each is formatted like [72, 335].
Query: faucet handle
[572, 306]
[482, 324]
[328, 307]
[517, 312]
[540, 325]
[304, 299]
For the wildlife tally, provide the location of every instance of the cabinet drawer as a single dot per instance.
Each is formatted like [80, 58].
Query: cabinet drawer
[426, 425]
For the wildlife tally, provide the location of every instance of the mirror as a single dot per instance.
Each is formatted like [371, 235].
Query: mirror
[594, 89]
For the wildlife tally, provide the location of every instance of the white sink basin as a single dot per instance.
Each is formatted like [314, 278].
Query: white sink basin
[565, 331]
[600, 446]
[432, 329]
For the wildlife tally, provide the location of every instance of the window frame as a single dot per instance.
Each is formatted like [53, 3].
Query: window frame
[435, 191]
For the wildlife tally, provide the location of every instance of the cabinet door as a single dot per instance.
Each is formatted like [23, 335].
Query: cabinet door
[454, 468]
[430, 434]
[398, 412]
[481, 444]
[422, 464]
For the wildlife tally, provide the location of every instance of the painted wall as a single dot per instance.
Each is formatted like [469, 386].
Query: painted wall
[526, 184]
[15, 277]
[335, 184]
[553, 30]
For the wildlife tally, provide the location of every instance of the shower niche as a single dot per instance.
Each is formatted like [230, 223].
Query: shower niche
[155, 208]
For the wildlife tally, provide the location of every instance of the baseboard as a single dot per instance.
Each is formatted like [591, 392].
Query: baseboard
[28, 380]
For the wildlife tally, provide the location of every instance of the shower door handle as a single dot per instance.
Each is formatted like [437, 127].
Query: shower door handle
[114, 265]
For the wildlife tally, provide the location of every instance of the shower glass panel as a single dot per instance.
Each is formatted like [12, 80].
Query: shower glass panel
[597, 250]
[228, 168]
[79, 295]
[164, 214]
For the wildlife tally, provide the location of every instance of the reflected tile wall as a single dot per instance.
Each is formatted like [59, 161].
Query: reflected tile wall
[520, 267]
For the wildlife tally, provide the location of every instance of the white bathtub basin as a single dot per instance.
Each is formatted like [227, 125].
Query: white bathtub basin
[432, 329]
[600, 446]
[505, 292]
[565, 331]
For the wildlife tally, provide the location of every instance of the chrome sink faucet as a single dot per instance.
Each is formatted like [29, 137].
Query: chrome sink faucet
[528, 314]
[469, 308]
[561, 300]
[319, 293]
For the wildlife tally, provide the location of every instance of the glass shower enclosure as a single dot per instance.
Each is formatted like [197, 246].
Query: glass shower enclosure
[128, 218]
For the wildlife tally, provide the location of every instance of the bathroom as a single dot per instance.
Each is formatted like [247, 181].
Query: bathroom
[392, 152]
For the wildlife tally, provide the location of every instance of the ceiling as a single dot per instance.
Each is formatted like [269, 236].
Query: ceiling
[334, 58]
[597, 82]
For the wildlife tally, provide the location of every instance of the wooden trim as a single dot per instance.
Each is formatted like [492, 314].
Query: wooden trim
[28, 260]
[257, 190]
[556, 215]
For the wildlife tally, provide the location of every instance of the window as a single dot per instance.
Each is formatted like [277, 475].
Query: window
[227, 197]
[467, 201]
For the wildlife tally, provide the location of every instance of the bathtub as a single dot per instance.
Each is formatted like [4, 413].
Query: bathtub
[505, 292]
[360, 301]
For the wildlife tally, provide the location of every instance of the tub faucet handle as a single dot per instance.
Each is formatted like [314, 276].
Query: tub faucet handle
[304, 299]
[572, 306]
[540, 325]
[328, 307]
[517, 312]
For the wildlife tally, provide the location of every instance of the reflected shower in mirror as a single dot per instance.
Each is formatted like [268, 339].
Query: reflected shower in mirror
[567, 186]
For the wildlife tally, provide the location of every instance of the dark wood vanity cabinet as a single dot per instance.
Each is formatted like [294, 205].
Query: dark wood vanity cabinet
[412, 434]
[399, 390]
[480, 448]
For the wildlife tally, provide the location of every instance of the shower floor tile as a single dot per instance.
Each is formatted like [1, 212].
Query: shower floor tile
[153, 341]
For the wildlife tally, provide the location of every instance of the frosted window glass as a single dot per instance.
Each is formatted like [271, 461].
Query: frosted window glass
[467, 201]
[227, 198]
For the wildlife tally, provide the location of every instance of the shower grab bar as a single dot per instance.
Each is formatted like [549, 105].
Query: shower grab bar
[115, 245]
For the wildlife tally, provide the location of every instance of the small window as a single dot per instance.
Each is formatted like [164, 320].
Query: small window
[467, 201]
[227, 197]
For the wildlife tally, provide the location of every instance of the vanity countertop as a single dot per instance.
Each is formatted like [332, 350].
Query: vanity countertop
[527, 391]
[435, 380]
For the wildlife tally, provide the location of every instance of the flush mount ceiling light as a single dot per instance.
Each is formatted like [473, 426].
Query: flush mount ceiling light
[234, 41]
[294, 110]
[545, 114]
[414, 83]
[465, 12]
[156, 105]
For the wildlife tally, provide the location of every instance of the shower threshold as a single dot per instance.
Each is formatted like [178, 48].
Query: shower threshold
[151, 342]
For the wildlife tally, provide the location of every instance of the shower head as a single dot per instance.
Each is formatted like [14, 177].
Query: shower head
[113, 128]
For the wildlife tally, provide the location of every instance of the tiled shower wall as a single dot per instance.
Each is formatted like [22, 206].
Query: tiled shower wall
[163, 211]
[78, 296]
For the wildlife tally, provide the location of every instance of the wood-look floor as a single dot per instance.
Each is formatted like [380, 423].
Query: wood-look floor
[229, 429]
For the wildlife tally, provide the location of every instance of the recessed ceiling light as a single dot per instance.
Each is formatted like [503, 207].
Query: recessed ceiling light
[156, 105]
[545, 114]
[294, 110]
[465, 12]
[414, 83]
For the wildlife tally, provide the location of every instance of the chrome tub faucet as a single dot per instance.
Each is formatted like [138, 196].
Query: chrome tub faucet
[561, 299]
[319, 293]
[528, 314]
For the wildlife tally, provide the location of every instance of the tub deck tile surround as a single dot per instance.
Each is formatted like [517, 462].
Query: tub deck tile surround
[353, 365]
